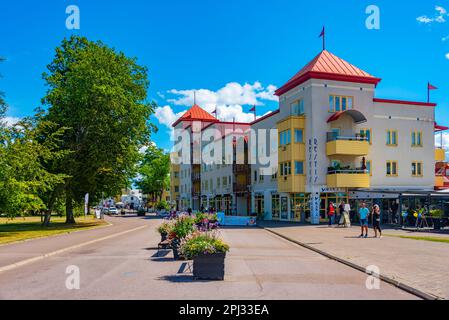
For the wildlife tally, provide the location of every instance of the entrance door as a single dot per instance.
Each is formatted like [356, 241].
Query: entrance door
[284, 208]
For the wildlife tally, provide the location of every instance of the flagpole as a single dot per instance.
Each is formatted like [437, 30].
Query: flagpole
[428, 92]
[324, 39]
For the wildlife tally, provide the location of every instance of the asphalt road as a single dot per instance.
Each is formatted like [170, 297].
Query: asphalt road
[259, 266]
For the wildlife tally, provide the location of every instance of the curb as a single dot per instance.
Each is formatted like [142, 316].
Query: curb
[47, 255]
[398, 284]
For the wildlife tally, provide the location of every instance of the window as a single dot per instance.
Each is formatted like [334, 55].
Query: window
[417, 168]
[176, 174]
[297, 108]
[261, 176]
[255, 175]
[218, 182]
[285, 137]
[176, 188]
[299, 167]
[369, 166]
[299, 136]
[340, 103]
[274, 175]
[367, 134]
[286, 168]
[417, 139]
[392, 168]
[392, 138]
[281, 172]
[225, 181]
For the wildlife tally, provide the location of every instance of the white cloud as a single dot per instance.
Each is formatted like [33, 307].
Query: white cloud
[445, 38]
[441, 10]
[445, 144]
[231, 101]
[447, 56]
[439, 17]
[232, 93]
[166, 116]
[10, 121]
[424, 19]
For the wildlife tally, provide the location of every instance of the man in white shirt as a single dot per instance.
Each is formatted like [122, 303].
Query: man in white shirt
[347, 210]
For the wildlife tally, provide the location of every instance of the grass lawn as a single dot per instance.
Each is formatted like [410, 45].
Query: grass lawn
[30, 227]
[422, 238]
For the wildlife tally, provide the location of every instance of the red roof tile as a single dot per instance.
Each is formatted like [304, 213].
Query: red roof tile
[196, 113]
[328, 66]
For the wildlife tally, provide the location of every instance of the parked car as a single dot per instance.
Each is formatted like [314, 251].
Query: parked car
[113, 211]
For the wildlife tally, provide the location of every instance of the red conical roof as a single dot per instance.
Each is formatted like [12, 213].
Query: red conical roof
[330, 67]
[196, 113]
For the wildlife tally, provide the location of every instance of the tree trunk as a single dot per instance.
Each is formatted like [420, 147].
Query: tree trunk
[47, 213]
[70, 219]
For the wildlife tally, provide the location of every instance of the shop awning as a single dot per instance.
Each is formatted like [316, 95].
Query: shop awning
[356, 115]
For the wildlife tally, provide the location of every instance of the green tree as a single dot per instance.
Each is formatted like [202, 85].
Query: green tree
[24, 179]
[100, 95]
[154, 172]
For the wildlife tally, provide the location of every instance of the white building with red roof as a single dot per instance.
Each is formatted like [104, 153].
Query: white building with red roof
[336, 142]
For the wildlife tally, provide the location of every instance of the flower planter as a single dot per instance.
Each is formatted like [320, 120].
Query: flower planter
[209, 266]
[175, 244]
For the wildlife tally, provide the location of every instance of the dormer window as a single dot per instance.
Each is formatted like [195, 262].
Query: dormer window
[297, 108]
[340, 103]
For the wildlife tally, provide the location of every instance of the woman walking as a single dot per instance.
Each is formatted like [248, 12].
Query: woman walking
[376, 221]
[331, 213]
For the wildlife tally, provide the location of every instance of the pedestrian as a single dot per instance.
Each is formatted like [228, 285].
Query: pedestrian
[189, 211]
[346, 218]
[363, 216]
[331, 213]
[376, 221]
[340, 212]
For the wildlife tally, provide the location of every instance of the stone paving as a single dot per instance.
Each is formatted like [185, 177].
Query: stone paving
[422, 265]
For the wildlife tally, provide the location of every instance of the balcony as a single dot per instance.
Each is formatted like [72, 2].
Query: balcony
[240, 188]
[241, 168]
[348, 178]
[440, 155]
[356, 145]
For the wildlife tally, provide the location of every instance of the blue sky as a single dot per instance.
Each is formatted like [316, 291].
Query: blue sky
[237, 51]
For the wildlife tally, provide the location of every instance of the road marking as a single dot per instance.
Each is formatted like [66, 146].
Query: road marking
[47, 255]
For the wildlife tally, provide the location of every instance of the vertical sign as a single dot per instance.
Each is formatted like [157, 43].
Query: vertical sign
[86, 204]
[313, 180]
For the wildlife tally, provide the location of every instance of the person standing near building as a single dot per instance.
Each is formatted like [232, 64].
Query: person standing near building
[346, 217]
[363, 216]
[376, 221]
[339, 215]
[331, 213]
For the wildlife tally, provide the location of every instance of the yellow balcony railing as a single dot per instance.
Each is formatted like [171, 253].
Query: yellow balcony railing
[347, 147]
[293, 183]
[440, 155]
[348, 180]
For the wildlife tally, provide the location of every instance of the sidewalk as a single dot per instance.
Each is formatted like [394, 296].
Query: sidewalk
[422, 265]
[16, 252]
